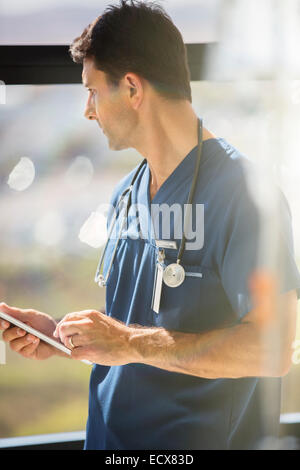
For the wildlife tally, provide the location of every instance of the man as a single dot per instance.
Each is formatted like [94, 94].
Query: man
[186, 375]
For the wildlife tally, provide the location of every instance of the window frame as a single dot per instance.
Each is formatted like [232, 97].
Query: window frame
[52, 64]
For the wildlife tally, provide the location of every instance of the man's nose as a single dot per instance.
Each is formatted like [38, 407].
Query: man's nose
[89, 111]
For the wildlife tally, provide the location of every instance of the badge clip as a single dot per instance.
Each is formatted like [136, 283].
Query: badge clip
[166, 244]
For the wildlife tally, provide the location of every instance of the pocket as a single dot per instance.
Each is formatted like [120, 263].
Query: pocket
[193, 274]
[195, 304]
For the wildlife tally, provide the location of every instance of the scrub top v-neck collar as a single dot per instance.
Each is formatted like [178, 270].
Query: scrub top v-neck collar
[179, 175]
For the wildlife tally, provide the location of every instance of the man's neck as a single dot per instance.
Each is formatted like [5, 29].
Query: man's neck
[168, 140]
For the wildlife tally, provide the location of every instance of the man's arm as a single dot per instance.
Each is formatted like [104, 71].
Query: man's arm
[259, 345]
[244, 350]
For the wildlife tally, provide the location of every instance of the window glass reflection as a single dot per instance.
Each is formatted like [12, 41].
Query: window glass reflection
[55, 172]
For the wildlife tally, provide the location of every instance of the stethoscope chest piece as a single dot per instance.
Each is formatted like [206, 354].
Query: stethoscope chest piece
[174, 275]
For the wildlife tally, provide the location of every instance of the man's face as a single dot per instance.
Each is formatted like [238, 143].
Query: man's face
[109, 106]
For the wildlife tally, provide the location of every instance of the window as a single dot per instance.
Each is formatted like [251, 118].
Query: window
[46, 261]
[43, 262]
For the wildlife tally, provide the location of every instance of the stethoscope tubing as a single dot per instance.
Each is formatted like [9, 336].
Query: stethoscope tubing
[192, 191]
[115, 215]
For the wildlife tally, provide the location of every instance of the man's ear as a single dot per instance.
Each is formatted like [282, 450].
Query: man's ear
[134, 86]
[134, 83]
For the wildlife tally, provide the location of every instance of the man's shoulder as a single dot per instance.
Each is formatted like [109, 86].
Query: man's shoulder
[232, 164]
[228, 171]
[240, 183]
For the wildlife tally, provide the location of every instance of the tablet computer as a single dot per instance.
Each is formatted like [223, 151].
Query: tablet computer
[37, 333]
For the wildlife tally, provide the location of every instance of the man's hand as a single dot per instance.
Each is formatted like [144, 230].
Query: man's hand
[96, 337]
[258, 345]
[24, 343]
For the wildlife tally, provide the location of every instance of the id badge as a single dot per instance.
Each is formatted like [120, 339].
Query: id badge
[158, 281]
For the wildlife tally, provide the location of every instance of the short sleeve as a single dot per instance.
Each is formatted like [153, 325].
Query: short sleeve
[251, 239]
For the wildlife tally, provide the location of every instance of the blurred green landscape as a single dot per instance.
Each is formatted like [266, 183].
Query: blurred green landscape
[43, 397]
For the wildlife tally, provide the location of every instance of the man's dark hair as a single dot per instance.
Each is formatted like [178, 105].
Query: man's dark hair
[137, 37]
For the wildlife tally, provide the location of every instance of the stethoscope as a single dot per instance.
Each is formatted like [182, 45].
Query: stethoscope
[174, 273]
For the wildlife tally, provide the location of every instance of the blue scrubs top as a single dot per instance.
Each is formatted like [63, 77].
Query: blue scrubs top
[136, 406]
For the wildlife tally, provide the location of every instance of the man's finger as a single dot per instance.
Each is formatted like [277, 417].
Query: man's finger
[29, 350]
[69, 328]
[12, 333]
[4, 325]
[20, 314]
[19, 344]
[74, 316]
[77, 340]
